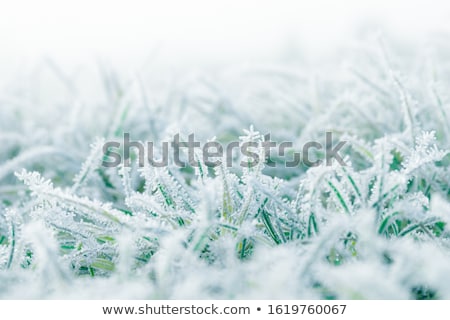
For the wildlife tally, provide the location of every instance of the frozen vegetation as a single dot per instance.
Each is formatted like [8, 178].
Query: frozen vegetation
[377, 228]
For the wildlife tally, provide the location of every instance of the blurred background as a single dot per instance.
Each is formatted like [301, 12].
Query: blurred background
[132, 34]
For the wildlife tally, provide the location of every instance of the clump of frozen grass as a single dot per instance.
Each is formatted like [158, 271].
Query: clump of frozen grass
[376, 228]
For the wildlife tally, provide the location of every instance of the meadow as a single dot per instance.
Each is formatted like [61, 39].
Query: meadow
[376, 228]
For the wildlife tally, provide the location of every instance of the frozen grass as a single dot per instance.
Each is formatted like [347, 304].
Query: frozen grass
[375, 229]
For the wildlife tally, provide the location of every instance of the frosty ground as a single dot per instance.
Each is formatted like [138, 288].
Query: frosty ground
[374, 229]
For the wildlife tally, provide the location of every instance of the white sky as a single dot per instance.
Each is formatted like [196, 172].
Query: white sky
[192, 30]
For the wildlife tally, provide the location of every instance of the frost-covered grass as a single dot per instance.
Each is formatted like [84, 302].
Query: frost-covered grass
[377, 228]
